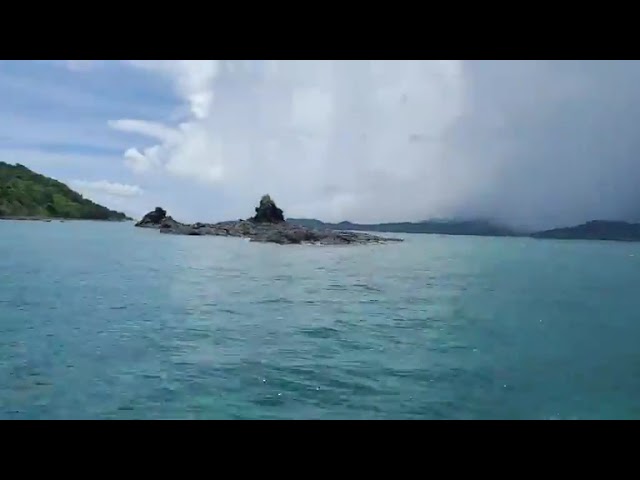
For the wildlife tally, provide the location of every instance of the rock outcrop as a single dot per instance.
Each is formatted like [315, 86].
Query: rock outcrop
[267, 226]
[153, 219]
[268, 212]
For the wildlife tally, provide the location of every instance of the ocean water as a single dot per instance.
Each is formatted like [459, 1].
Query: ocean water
[106, 321]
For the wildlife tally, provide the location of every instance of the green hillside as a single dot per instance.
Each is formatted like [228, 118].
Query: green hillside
[24, 193]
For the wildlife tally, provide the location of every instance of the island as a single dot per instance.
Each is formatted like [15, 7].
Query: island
[27, 195]
[268, 225]
[595, 230]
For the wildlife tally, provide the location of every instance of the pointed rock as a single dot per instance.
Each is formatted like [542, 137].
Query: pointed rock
[268, 212]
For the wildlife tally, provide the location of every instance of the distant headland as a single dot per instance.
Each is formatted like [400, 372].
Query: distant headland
[592, 230]
[27, 195]
[268, 225]
[595, 230]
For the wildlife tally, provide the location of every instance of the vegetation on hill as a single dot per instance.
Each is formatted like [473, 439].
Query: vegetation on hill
[24, 193]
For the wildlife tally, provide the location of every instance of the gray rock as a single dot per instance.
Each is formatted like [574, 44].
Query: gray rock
[268, 226]
[153, 219]
[268, 212]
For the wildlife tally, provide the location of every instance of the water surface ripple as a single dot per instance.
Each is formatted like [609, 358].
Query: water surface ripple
[107, 321]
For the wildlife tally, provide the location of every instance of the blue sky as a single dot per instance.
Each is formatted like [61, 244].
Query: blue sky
[55, 119]
[531, 143]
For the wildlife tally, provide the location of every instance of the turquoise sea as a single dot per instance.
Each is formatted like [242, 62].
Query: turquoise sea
[106, 321]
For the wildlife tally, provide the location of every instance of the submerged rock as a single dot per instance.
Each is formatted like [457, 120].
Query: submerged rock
[267, 226]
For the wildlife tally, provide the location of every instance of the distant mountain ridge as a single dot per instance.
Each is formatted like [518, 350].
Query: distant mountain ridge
[27, 194]
[443, 227]
[592, 230]
[595, 230]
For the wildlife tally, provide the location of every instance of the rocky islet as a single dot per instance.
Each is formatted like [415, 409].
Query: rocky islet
[268, 225]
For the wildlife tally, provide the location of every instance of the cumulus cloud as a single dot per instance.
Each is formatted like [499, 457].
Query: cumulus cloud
[191, 79]
[533, 143]
[151, 129]
[140, 162]
[325, 138]
[130, 199]
[105, 187]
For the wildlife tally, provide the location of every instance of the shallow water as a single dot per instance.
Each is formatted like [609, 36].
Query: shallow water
[102, 320]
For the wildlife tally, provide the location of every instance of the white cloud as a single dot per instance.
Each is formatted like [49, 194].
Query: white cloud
[538, 143]
[141, 162]
[191, 79]
[105, 187]
[150, 129]
[325, 138]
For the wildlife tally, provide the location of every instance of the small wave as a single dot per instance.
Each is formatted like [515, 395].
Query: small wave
[279, 300]
[366, 287]
[321, 332]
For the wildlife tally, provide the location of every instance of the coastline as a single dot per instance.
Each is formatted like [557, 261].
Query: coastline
[61, 219]
[296, 232]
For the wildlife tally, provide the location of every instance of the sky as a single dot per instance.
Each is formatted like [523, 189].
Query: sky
[532, 144]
